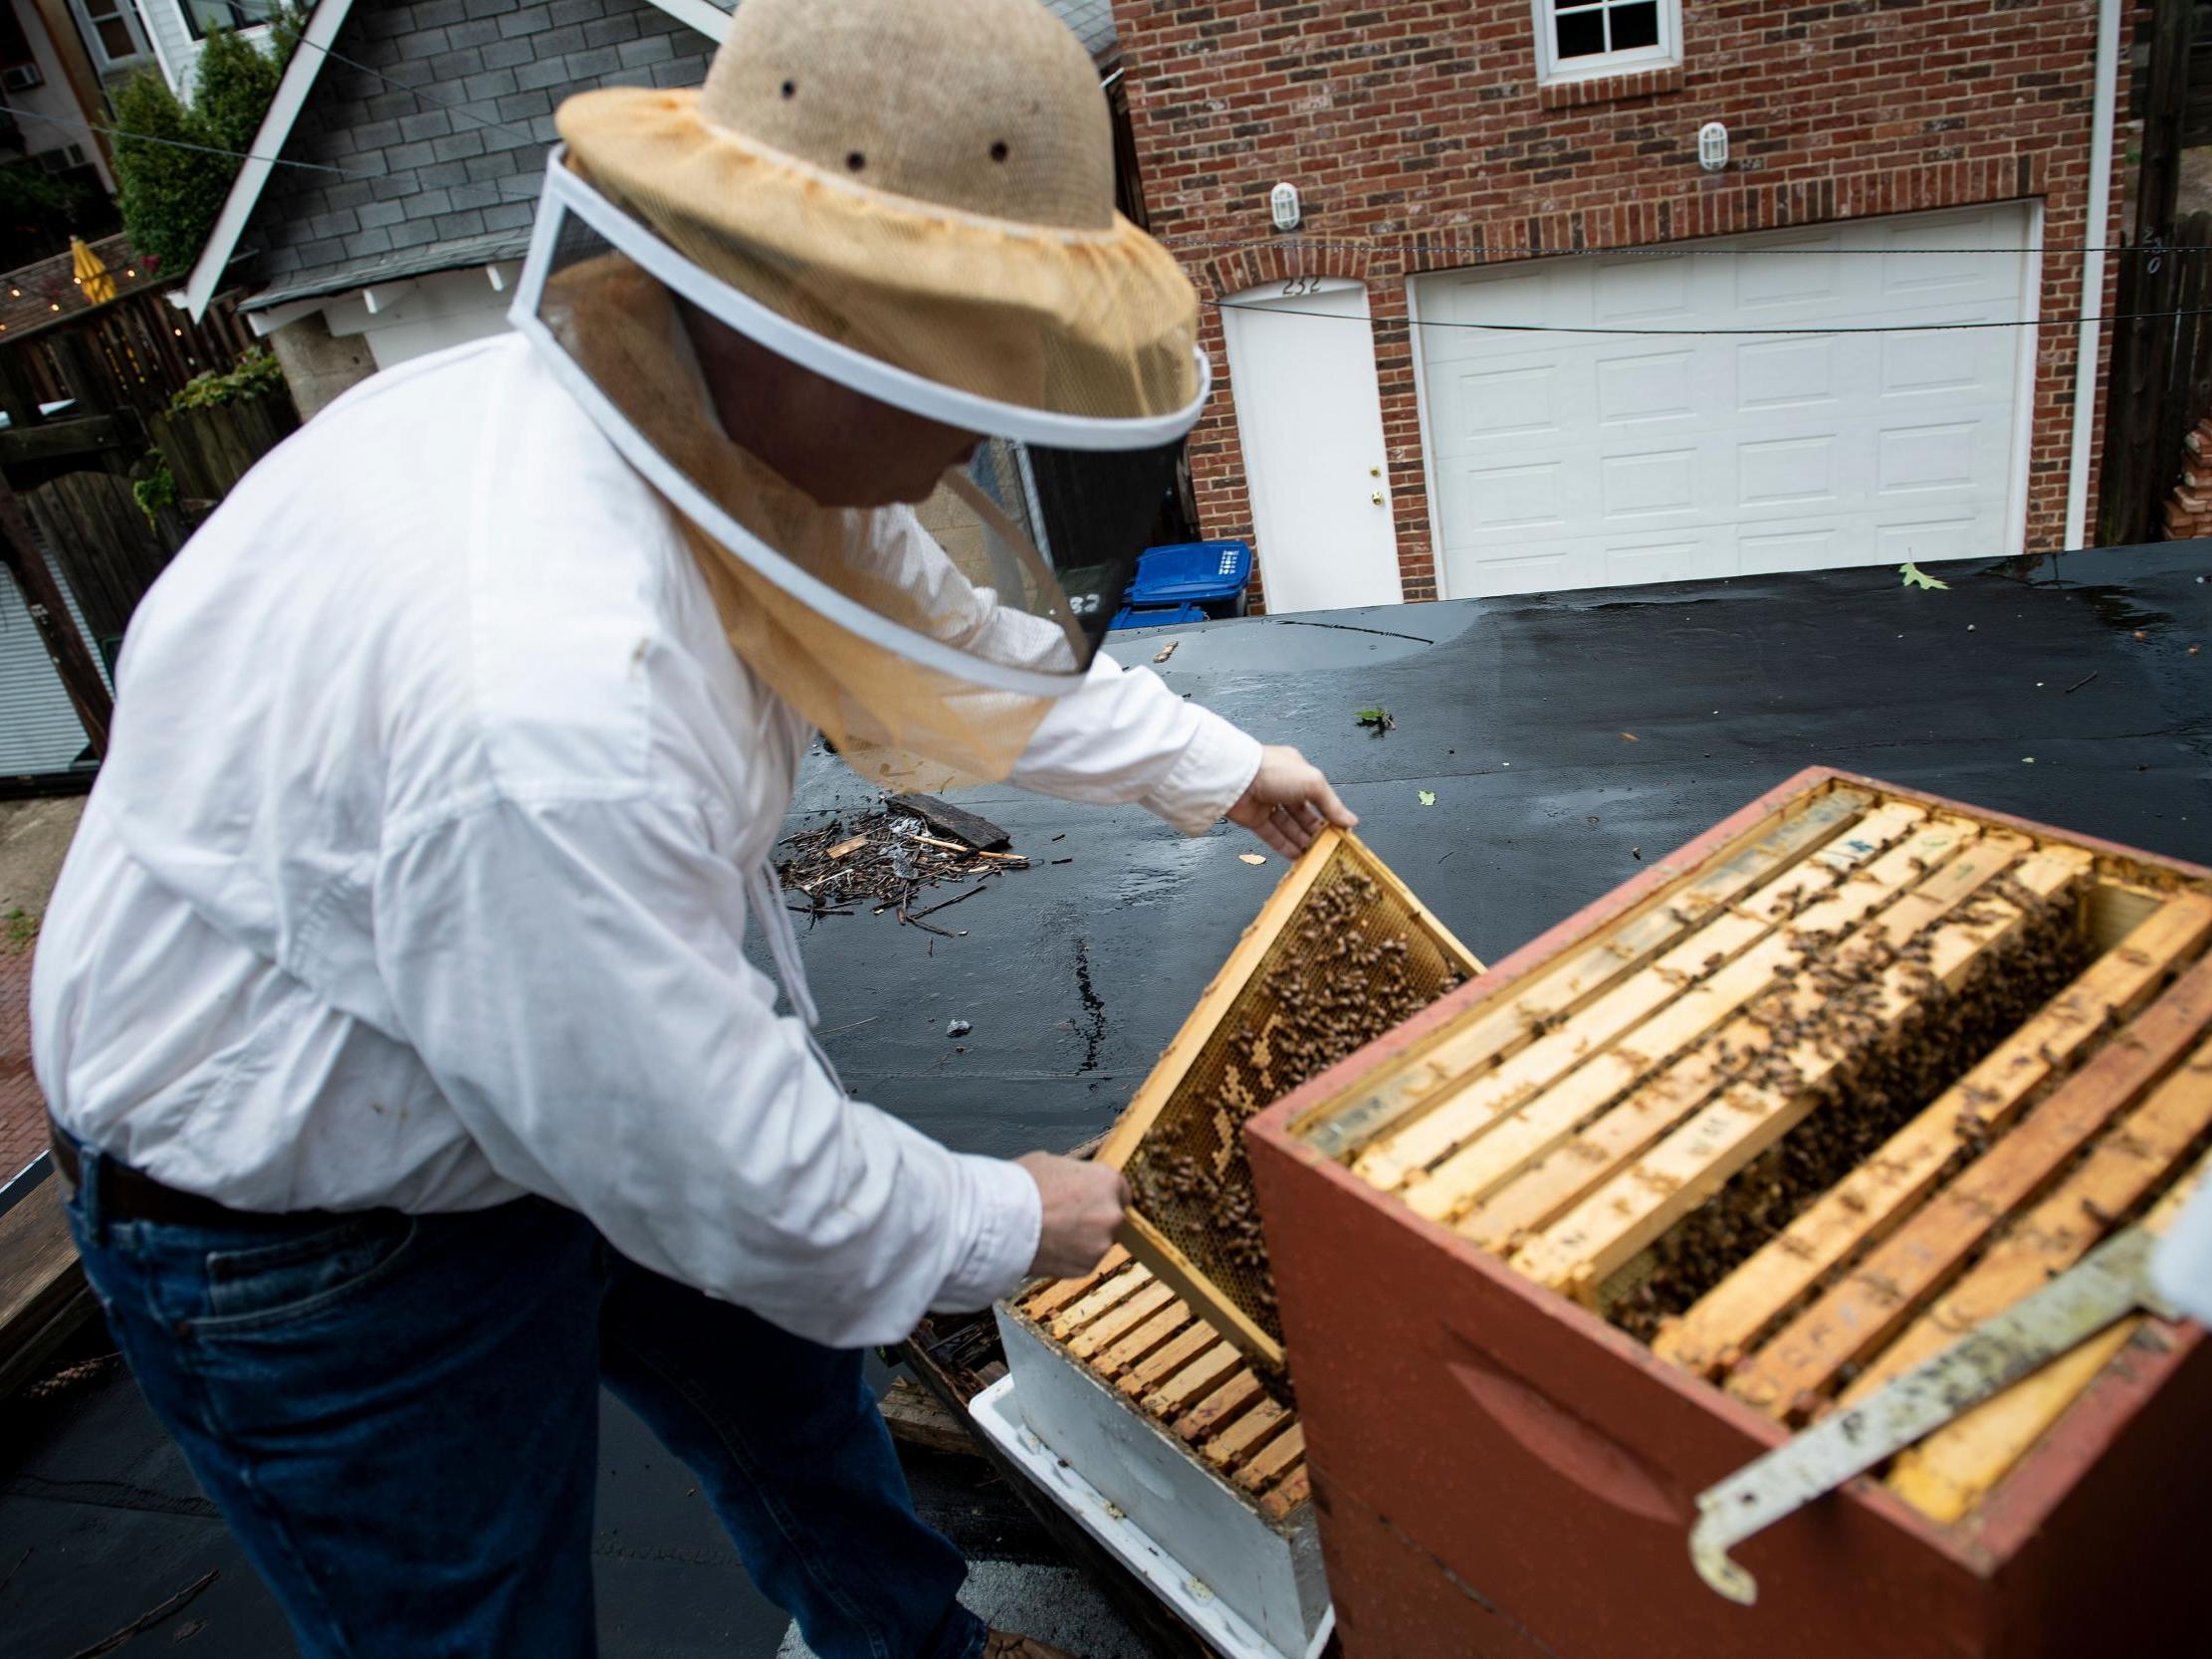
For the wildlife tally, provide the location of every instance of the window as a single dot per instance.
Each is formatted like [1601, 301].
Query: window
[111, 28]
[203, 15]
[1576, 40]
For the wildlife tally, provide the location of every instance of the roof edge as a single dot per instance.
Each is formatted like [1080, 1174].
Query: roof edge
[269, 141]
[710, 20]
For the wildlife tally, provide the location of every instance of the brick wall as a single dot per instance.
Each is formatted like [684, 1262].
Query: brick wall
[1420, 141]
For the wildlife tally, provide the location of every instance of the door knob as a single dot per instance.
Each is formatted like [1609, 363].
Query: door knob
[1377, 498]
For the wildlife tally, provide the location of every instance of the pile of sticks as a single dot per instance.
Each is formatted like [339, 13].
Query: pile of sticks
[885, 861]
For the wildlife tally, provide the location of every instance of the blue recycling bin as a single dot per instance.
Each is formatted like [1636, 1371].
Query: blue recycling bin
[1162, 616]
[1212, 575]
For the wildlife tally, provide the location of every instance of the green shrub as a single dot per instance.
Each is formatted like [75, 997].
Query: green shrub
[155, 489]
[169, 197]
[257, 373]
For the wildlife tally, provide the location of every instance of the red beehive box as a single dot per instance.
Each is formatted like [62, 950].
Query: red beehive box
[1846, 1075]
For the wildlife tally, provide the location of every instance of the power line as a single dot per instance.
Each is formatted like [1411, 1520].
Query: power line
[179, 143]
[1517, 254]
[1716, 333]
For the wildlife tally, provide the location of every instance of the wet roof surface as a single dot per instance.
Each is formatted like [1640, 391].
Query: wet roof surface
[1516, 716]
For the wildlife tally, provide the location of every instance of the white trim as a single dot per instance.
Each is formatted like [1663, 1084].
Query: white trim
[2024, 380]
[2093, 271]
[269, 140]
[1554, 71]
[1428, 452]
[566, 190]
[153, 39]
[711, 21]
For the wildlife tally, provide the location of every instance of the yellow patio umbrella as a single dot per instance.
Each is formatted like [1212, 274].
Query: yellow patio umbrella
[98, 282]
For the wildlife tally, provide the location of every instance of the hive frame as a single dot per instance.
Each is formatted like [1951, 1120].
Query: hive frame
[1327, 1123]
[1140, 1236]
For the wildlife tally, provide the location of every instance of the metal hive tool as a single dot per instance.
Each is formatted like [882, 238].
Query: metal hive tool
[1341, 953]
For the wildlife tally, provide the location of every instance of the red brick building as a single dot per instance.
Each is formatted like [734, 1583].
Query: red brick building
[1462, 164]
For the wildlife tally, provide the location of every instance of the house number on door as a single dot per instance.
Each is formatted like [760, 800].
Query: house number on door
[1301, 284]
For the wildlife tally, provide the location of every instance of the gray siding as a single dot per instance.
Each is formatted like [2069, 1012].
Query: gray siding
[452, 112]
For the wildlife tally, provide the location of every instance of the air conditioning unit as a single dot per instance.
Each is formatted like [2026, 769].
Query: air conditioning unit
[21, 78]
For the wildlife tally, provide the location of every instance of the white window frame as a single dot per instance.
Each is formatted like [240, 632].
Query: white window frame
[125, 11]
[1552, 70]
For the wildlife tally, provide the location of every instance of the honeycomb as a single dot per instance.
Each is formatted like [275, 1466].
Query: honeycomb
[1352, 961]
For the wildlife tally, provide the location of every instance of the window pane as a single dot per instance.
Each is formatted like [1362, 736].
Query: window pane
[1581, 34]
[203, 15]
[114, 38]
[1635, 24]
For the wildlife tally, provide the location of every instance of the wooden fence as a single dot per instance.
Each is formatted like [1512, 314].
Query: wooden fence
[93, 529]
[208, 450]
[2162, 380]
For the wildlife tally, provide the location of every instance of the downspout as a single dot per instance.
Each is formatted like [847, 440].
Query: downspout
[2097, 232]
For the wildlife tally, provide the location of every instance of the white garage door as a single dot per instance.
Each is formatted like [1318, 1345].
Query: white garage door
[1567, 461]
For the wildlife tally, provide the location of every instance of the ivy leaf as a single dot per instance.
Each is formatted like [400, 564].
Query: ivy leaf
[1428, 797]
[1915, 576]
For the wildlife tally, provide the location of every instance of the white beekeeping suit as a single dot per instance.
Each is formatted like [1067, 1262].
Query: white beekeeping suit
[452, 752]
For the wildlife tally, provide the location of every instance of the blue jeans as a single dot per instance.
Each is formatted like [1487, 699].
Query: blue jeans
[398, 1416]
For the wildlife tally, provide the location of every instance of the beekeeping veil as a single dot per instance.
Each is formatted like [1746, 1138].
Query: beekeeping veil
[915, 201]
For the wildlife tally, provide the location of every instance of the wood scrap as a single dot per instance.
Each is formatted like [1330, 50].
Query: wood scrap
[916, 1418]
[968, 828]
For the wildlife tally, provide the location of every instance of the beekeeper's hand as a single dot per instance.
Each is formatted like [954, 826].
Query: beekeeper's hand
[1082, 1208]
[1289, 802]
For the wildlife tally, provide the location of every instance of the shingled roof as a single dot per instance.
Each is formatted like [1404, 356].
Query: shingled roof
[435, 119]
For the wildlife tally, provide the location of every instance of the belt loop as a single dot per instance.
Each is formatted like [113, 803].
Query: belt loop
[90, 1168]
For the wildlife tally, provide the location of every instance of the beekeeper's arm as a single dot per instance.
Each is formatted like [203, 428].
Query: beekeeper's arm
[570, 967]
[1122, 735]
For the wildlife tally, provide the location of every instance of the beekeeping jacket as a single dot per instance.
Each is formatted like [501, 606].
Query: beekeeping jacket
[418, 872]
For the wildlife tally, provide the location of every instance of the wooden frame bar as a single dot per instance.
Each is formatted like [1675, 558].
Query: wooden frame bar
[1861, 1210]
[1867, 1309]
[1385, 1105]
[1695, 1160]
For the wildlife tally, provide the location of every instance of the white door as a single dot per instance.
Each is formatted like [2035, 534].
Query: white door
[1301, 359]
[1570, 461]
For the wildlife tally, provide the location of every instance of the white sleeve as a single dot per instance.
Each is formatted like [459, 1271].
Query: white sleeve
[572, 973]
[2181, 1265]
[1122, 735]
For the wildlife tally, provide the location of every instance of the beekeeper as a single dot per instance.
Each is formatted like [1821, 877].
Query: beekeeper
[406, 1065]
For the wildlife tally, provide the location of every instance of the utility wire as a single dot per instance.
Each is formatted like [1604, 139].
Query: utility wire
[1517, 254]
[179, 143]
[1716, 333]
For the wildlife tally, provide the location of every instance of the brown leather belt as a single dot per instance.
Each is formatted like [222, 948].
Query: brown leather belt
[127, 1195]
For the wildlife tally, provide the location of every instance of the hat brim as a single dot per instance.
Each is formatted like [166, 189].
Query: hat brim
[1096, 322]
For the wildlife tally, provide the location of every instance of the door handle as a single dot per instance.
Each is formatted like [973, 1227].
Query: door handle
[1377, 498]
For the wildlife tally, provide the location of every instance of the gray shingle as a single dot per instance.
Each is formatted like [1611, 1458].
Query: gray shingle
[457, 136]
[590, 65]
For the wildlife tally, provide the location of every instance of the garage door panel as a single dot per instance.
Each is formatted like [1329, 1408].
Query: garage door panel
[1931, 538]
[1646, 386]
[1652, 483]
[1642, 288]
[1582, 459]
[1787, 472]
[1801, 548]
[1493, 501]
[1791, 276]
[1785, 374]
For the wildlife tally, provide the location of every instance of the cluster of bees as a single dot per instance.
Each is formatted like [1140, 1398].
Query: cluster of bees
[1339, 977]
[1890, 1072]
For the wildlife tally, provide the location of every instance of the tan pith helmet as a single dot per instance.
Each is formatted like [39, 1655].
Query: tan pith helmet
[927, 181]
